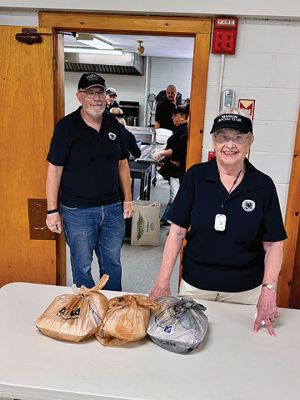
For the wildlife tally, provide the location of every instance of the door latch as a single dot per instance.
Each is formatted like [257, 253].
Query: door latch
[29, 36]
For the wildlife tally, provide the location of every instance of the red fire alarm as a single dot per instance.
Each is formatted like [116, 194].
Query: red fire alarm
[224, 35]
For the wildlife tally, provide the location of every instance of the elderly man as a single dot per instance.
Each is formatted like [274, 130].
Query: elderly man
[87, 163]
[164, 109]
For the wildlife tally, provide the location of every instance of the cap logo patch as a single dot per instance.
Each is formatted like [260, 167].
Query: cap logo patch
[230, 117]
[248, 205]
[92, 77]
[112, 136]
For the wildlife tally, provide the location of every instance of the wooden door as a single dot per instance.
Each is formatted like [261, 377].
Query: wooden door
[26, 125]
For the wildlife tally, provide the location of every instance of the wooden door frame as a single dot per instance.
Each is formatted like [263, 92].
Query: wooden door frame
[198, 28]
[289, 279]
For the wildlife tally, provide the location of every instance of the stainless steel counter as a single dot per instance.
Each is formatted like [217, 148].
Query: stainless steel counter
[147, 152]
[144, 134]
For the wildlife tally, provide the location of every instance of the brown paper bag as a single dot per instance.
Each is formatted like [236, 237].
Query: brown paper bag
[126, 320]
[74, 317]
[145, 230]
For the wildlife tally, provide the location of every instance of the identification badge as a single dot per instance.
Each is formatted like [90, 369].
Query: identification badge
[220, 222]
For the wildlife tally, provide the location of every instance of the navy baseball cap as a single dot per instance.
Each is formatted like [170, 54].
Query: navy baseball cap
[232, 121]
[89, 80]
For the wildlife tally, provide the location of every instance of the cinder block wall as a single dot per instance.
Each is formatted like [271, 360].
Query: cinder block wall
[266, 67]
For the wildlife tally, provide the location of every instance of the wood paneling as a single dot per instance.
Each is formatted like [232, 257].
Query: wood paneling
[26, 126]
[125, 23]
[295, 285]
[290, 266]
[59, 112]
[198, 98]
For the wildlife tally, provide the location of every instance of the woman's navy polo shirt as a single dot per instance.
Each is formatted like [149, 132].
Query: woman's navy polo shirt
[232, 260]
[90, 159]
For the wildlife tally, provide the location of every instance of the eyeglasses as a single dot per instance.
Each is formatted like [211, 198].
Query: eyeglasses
[225, 138]
[93, 93]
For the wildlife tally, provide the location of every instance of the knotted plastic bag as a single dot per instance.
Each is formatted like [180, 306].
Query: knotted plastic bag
[75, 317]
[126, 320]
[180, 326]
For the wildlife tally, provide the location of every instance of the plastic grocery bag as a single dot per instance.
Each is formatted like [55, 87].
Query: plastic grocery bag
[75, 317]
[180, 326]
[126, 320]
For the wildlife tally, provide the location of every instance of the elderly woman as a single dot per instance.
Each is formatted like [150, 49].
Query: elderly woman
[229, 214]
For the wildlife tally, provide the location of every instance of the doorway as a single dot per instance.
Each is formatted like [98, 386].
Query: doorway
[134, 78]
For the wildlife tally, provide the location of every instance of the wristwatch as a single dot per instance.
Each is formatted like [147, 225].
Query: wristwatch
[270, 286]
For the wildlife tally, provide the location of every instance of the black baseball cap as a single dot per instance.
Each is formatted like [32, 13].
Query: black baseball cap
[89, 80]
[232, 121]
[111, 91]
[181, 110]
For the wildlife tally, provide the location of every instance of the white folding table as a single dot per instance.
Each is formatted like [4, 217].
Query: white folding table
[232, 364]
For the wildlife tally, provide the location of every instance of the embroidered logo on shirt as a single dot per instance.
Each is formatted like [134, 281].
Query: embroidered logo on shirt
[112, 136]
[248, 205]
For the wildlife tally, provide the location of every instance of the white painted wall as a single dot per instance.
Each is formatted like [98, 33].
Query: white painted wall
[276, 8]
[166, 71]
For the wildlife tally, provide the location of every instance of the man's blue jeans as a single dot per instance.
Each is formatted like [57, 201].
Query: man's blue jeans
[96, 228]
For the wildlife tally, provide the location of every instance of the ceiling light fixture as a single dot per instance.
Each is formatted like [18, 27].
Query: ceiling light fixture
[86, 50]
[140, 49]
[91, 40]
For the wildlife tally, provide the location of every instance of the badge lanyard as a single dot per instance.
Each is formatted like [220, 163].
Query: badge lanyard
[220, 219]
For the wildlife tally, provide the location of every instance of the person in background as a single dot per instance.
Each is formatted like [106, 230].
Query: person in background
[131, 144]
[229, 214]
[164, 109]
[162, 96]
[111, 98]
[179, 154]
[173, 165]
[87, 167]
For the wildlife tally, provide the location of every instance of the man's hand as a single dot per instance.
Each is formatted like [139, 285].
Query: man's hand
[53, 222]
[266, 311]
[127, 209]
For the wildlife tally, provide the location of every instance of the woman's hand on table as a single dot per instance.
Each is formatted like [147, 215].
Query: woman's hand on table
[160, 289]
[266, 311]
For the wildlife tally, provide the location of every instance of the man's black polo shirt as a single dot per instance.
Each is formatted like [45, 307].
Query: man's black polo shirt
[168, 168]
[232, 260]
[90, 159]
[163, 114]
